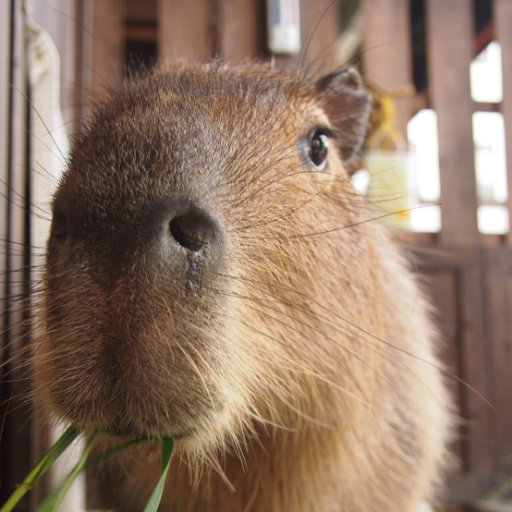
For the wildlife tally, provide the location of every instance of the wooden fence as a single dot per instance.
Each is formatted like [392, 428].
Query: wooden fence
[468, 274]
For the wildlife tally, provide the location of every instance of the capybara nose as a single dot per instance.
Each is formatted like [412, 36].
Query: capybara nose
[195, 229]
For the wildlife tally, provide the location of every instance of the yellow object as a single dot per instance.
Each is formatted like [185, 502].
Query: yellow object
[388, 188]
[387, 161]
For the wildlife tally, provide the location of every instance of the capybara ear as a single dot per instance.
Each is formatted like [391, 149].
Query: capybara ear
[347, 103]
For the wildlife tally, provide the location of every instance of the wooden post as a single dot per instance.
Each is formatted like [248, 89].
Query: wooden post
[500, 269]
[186, 30]
[503, 22]
[241, 29]
[498, 299]
[103, 45]
[387, 55]
[455, 285]
[450, 50]
[319, 32]
[5, 67]
[5, 32]
[16, 414]
[320, 29]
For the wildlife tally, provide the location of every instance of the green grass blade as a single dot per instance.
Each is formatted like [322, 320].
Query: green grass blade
[41, 467]
[54, 499]
[156, 496]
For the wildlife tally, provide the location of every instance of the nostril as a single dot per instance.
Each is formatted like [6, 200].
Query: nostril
[194, 229]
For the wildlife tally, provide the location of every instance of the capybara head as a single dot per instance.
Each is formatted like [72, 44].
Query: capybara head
[212, 275]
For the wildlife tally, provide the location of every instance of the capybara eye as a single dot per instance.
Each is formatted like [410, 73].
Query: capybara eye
[318, 148]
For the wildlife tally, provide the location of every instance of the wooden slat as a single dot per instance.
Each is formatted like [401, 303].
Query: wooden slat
[16, 420]
[503, 23]
[241, 31]
[320, 29]
[102, 45]
[442, 286]
[474, 362]
[186, 30]
[5, 34]
[498, 265]
[455, 283]
[387, 55]
[450, 46]
[82, 94]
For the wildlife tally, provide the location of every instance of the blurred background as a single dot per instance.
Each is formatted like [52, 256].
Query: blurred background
[434, 166]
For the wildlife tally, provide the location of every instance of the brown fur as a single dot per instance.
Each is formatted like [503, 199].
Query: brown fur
[296, 366]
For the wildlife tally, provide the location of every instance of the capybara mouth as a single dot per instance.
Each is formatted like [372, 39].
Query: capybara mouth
[127, 429]
[130, 424]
